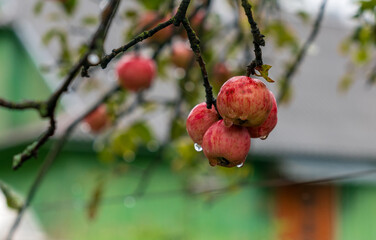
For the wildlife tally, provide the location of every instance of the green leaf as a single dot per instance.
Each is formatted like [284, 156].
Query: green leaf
[283, 36]
[361, 55]
[178, 128]
[106, 155]
[95, 199]
[345, 83]
[264, 72]
[303, 15]
[152, 5]
[140, 132]
[130, 13]
[286, 95]
[38, 7]
[344, 46]
[12, 200]
[89, 20]
[69, 5]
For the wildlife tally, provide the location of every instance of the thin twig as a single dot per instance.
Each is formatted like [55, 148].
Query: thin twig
[287, 77]
[176, 19]
[20, 106]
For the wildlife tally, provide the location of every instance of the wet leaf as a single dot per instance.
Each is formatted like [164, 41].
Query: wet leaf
[153, 5]
[13, 201]
[178, 128]
[95, 200]
[69, 6]
[345, 83]
[264, 72]
[303, 15]
[38, 7]
[89, 20]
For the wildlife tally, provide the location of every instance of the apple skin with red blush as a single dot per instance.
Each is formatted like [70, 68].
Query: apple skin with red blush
[264, 129]
[244, 101]
[135, 72]
[98, 119]
[226, 146]
[199, 120]
[181, 55]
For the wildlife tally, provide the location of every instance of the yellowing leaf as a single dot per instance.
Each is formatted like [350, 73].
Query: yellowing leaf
[264, 72]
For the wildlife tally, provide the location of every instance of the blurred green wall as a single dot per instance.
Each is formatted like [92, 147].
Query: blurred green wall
[20, 80]
[164, 212]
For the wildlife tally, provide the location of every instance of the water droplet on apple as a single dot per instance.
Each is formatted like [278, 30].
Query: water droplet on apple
[240, 165]
[93, 59]
[198, 147]
[129, 202]
[264, 137]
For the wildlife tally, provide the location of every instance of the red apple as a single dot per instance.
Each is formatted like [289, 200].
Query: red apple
[199, 120]
[226, 146]
[98, 119]
[135, 72]
[264, 129]
[181, 54]
[150, 20]
[244, 101]
[220, 75]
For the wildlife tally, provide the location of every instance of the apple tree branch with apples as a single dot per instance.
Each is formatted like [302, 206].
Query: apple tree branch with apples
[222, 127]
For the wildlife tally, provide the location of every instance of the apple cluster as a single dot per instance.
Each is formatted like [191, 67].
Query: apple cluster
[246, 109]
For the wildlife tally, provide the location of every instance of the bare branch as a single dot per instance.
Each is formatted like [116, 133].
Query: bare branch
[47, 109]
[287, 77]
[258, 39]
[20, 106]
[53, 153]
[146, 34]
[195, 45]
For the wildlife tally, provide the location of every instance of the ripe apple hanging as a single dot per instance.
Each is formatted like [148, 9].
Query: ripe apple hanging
[244, 101]
[135, 72]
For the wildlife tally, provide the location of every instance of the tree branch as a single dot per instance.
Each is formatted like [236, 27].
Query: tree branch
[258, 39]
[20, 106]
[176, 19]
[51, 157]
[47, 108]
[195, 45]
[287, 77]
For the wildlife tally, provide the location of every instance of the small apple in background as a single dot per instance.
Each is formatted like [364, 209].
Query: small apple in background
[195, 22]
[264, 129]
[199, 120]
[150, 20]
[244, 101]
[182, 54]
[98, 119]
[135, 72]
[226, 146]
[220, 75]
